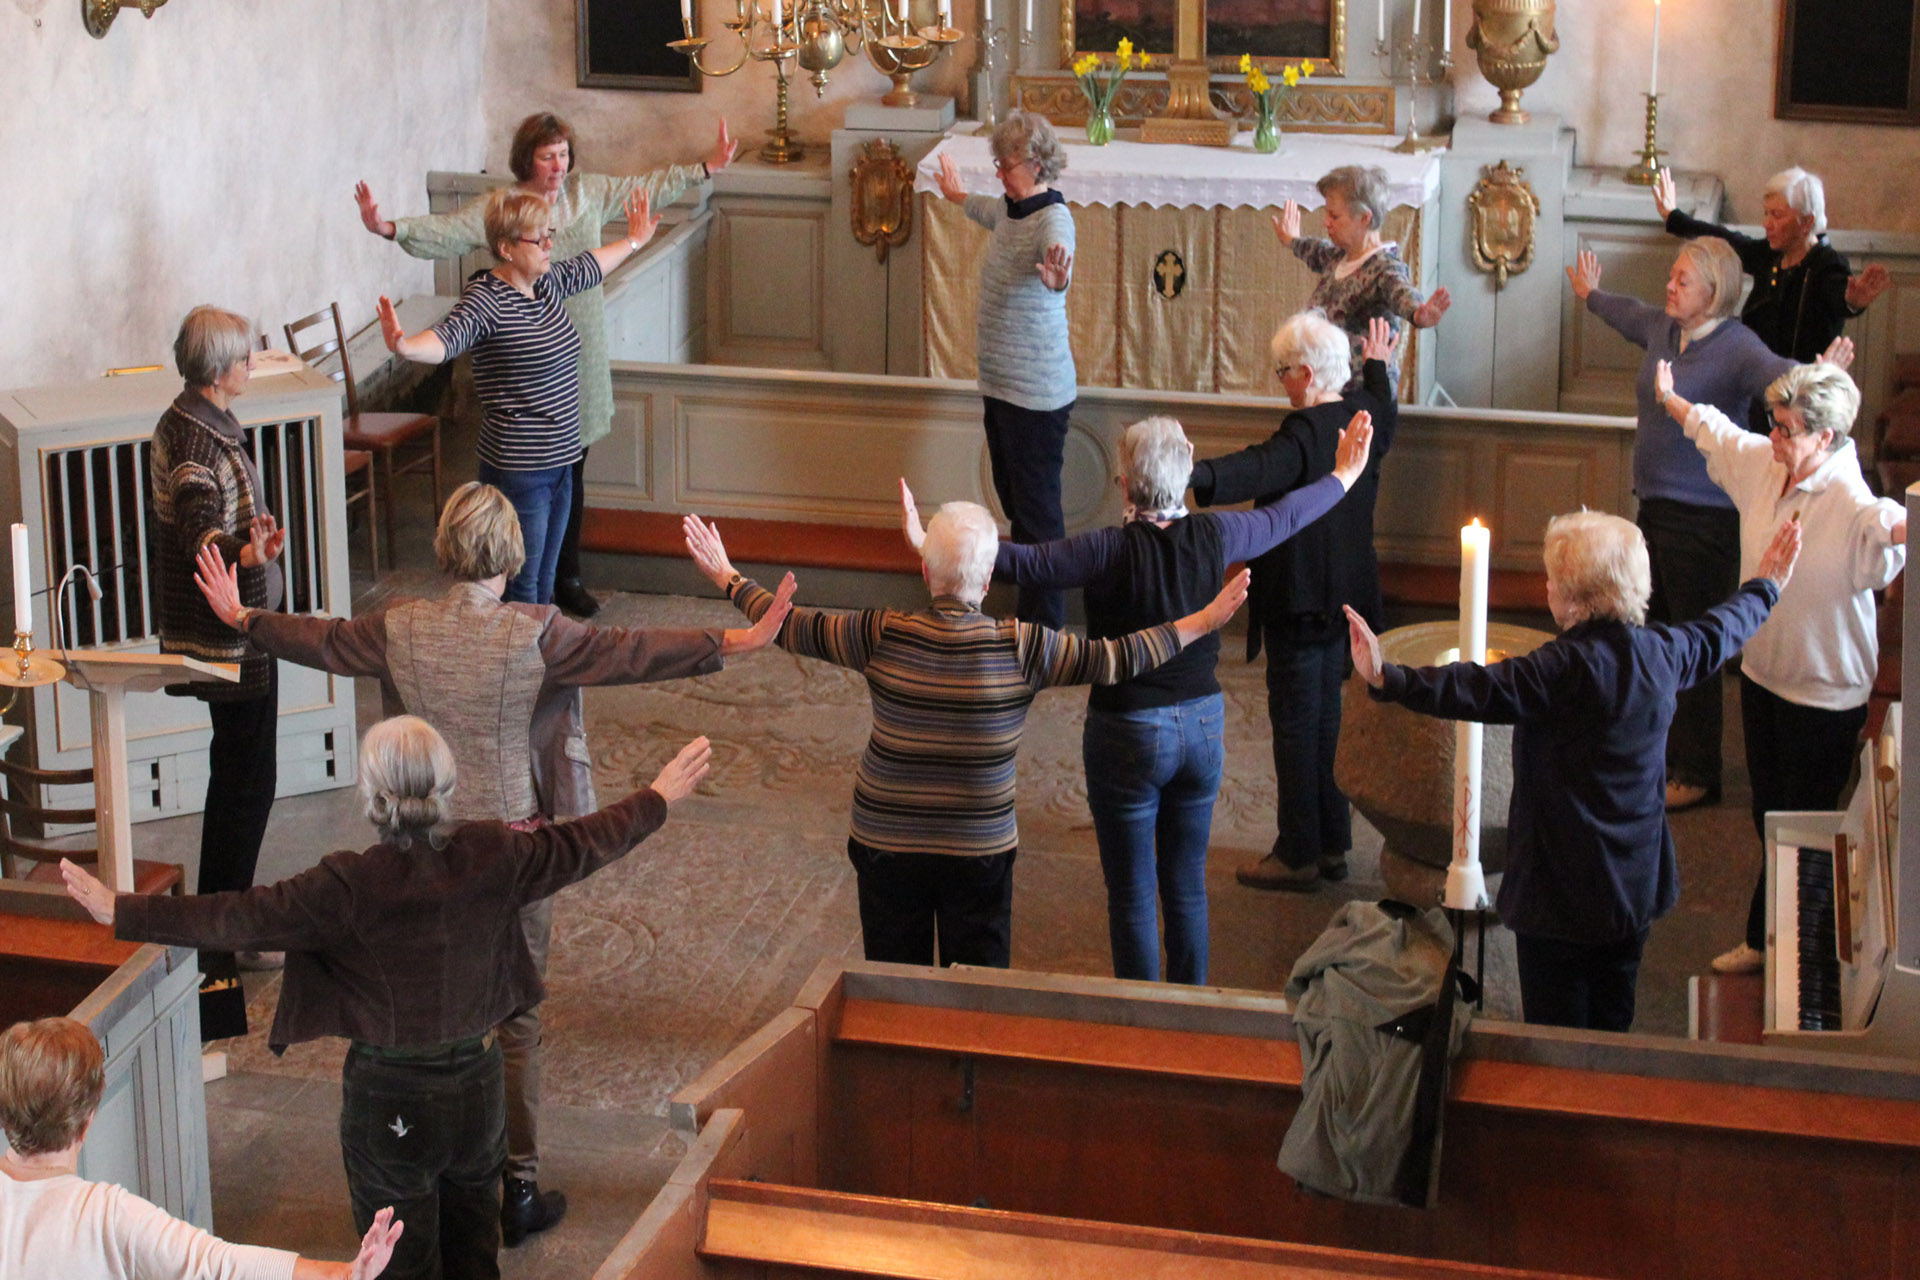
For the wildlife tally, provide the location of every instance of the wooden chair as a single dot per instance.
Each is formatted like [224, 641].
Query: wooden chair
[359, 462]
[381, 434]
[44, 854]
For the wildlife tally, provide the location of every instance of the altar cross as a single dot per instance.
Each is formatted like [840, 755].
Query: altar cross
[1190, 116]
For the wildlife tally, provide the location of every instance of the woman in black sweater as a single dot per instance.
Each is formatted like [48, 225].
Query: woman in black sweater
[1300, 586]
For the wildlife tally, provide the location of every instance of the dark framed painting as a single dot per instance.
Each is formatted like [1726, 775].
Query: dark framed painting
[622, 44]
[1274, 32]
[1853, 61]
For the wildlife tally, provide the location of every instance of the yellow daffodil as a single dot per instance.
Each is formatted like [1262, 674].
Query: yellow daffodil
[1306, 67]
[1124, 54]
[1246, 64]
[1258, 82]
[1085, 64]
[1291, 75]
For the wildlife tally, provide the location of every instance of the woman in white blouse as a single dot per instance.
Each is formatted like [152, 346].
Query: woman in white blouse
[55, 1223]
[1806, 674]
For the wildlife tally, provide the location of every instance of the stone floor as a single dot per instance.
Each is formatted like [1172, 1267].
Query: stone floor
[669, 957]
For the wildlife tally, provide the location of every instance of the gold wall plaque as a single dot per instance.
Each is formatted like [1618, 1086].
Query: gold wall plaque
[1503, 211]
[882, 197]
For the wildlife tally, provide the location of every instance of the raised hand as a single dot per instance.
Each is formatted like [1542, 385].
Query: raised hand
[708, 552]
[764, 632]
[265, 537]
[1286, 224]
[370, 212]
[1380, 340]
[219, 582]
[949, 180]
[390, 325]
[642, 222]
[1662, 379]
[1585, 274]
[1367, 663]
[1428, 313]
[723, 151]
[376, 1248]
[1356, 441]
[1839, 353]
[1868, 285]
[1228, 602]
[910, 517]
[683, 773]
[1778, 560]
[1056, 269]
[1665, 197]
[88, 892]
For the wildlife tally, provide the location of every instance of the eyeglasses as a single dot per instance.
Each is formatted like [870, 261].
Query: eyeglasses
[1007, 166]
[1282, 370]
[1787, 429]
[544, 239]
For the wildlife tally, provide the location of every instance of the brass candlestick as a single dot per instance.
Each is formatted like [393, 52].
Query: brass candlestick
[1647, 172]
[27, 671]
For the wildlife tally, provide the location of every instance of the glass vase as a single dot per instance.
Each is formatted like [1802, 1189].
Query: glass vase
[1266, 131]
[1099, 126]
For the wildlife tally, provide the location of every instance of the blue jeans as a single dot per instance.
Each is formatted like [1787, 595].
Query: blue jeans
[1152, 776]
[541, 499]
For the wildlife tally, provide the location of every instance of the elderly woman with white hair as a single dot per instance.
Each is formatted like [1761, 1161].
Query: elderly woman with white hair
[413, 952]
[1590, 858]
[1300, 585]
[1806, 676]
[1802, 290]
[934, 838]
[207, 493]
[1693, 531]
[1154, 745]
[1361, 276]
[1027, 375]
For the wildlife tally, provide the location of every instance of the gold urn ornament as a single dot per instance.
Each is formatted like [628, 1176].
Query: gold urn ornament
[1513, 39]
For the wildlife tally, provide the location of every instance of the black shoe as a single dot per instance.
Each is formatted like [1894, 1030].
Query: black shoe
[525, 1209]
[574, 598]
[1333, 867]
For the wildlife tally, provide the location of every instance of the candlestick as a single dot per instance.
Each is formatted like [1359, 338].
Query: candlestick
[1416, 17]
[22, 583]
[1653, 81]
[1466, 883]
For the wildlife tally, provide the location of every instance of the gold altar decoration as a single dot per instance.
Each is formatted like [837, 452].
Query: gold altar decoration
[1647, 172]
[881, 193]
[1190, 116]
[1321, 108]
[1333, 61]
[1169, 274]
[98, 15]
[1503, 211]
[1514, 39]
[27, 671]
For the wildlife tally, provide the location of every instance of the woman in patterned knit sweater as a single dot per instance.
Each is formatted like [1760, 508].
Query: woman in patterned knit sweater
[1361, 276]
[1027, 376]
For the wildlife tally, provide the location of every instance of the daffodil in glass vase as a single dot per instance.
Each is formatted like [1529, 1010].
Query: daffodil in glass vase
[1266, 99]
[1100, 80]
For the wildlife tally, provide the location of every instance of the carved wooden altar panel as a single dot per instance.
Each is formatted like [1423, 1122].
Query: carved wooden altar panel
[1322, 108]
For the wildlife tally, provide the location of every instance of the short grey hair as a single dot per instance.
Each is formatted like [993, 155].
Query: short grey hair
[1156, 460]
[1804, 193]
[1822, 395]
[959, 549]
[1720, 267]
[406, 779]
[1027, 135]
[1309, 338]
[479, 534]
[210, 342]
[1600, 562]
[1364, 189]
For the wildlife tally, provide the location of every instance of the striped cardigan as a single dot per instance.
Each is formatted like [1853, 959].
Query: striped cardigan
[206, 491]
[950, 689]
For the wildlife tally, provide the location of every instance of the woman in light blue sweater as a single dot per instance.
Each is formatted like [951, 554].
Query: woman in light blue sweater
[1026, 363]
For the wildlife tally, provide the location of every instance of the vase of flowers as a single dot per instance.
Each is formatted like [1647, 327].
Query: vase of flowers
[1266, 100]
[1100, 80]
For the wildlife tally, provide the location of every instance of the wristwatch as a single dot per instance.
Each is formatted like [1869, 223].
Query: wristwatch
[733, 582]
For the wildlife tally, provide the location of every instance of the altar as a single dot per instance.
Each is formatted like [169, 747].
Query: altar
[1178, 281]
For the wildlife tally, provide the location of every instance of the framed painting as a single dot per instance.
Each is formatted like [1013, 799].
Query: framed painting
[1853, 61]
[1274, 32]
[622, 44]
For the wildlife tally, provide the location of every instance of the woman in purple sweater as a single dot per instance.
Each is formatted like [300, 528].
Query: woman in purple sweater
[1691, 526]
[1153, 744]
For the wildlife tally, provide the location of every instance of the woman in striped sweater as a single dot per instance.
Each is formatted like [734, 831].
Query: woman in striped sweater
[934, 837]
[525, 365]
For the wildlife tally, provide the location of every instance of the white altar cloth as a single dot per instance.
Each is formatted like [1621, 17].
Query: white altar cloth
[1170, 175]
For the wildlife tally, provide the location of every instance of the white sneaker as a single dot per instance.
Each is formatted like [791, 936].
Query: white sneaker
[1742, 959]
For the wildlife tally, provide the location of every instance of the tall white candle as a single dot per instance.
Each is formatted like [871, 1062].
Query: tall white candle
[1466, 883]
[1653, 81]
[1380, 21]
[986, 17]
[1416, 17]
[946, 13]
[1026, 20]
[22, 583]
[686, 13]
[1446, 24]
[779, 20]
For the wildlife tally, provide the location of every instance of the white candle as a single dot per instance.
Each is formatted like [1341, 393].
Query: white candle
[986, 17]
[1026, 20]
[779, 20]
[686, 14]
[22, 583]
[1380, 22]
[1466, 883]
[946, 13]
[1446, 24]
[1416, 17]
[1653, 81]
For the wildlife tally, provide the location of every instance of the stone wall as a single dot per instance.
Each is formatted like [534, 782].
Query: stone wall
[209, 155]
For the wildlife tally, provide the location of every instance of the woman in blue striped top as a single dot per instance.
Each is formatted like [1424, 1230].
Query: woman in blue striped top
[525, 365]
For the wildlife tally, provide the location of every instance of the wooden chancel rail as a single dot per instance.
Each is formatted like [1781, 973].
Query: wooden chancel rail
[903, 1122]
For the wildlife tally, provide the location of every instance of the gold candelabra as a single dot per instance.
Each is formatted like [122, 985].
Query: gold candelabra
[27, 672]
[1647, 172]
[814, 35]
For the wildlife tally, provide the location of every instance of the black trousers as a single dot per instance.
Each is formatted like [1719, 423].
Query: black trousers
[1025, 448]
[1576, 984]
[1695, 555]
[909, 899]
[1304, 671]
[428, 1137]
[1798, 758]
[242, 769]
[568, 566]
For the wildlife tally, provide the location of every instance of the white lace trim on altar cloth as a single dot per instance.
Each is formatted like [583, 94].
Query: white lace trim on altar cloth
[1171, 175]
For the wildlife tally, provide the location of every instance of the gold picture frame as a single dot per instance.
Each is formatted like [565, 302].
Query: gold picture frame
[1079, 36]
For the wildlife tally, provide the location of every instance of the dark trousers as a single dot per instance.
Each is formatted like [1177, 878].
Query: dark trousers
[1025, 447]
[1695, 555]
[1577, 984]
[1799, 758]
[568, 565]
[1304, 671]
[428, 1137]
[907, 899]
[241, 773]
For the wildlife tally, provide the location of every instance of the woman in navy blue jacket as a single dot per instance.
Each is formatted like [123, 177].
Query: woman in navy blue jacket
[1590, 862]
